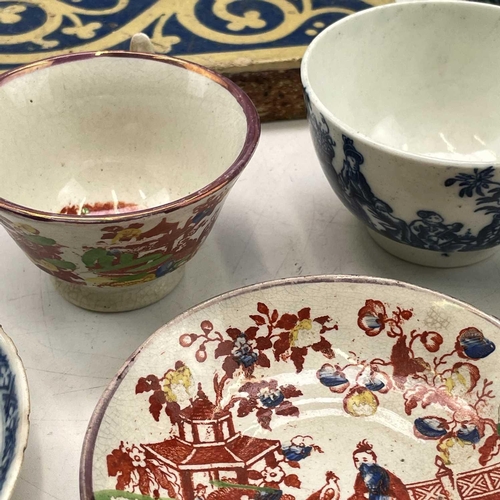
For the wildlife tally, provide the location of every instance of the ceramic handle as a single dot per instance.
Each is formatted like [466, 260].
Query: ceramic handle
[140, 42]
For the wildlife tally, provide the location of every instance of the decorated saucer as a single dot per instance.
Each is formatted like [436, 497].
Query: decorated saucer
[14, 415]
[318, 388]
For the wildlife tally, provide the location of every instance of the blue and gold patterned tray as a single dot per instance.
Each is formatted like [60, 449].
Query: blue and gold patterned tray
[228, 34]
[231, 36]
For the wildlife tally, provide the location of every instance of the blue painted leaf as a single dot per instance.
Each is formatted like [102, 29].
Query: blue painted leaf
[431, 427]
[330, 377]
[375, 385]
[470, 434]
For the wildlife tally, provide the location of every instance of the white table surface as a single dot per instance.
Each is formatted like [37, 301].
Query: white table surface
[281, 219]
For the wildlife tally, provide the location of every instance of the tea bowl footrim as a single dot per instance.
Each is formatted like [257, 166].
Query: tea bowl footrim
[122, 298]
[430, 258]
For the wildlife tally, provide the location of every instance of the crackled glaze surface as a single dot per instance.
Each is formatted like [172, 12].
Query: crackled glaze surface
[116, 254]
[117, 266]
[133, 202]
[313, 388]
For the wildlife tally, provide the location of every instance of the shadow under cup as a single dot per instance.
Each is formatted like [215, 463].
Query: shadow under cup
[115, 166]
[403, 105]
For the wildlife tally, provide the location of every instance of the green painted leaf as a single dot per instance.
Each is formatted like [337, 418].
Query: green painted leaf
[126, 259]
[41, 240]
[148, 262]
[97, 255]
[158, 260]
[62, 264]
[135, 277]
[224, 484]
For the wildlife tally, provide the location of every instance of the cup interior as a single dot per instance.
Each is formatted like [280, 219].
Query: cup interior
[109, 134]
[419, 77]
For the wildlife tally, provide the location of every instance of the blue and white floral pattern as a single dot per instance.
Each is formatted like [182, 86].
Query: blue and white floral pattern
[428, 230]
[11, 417]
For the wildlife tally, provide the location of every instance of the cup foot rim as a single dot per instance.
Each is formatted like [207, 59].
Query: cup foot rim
[430, 258]
[120, 299]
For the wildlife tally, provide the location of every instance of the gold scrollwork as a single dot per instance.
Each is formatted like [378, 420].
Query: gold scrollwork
[158, 14]
[55, 12]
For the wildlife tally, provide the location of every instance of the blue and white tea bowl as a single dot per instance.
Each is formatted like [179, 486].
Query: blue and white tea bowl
[14, 415]
[403, 106]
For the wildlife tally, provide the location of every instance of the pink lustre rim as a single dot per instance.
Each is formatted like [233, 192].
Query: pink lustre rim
[86, 461]
[246, 153]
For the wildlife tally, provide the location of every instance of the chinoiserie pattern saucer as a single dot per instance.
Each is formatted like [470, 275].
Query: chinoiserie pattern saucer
[14, 414]
[328, 387]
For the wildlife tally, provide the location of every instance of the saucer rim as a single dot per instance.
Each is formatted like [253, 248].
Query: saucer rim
[23, 429]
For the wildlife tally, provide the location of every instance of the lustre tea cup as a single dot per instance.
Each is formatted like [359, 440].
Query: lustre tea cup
[403, 105]
[115, 166]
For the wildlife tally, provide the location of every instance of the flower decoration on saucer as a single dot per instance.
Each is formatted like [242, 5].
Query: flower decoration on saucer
[305, 388]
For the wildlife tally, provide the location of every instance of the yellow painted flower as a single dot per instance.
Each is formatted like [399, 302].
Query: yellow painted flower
[457, 382]
[47, 265]
[176, 381]
[126, 234]
[360, 402]
[27, 228]
[304, 333]
[462, 379]
[445, 447]
[450, 384]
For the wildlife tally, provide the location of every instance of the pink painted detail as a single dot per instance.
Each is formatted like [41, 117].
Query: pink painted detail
[106, 208]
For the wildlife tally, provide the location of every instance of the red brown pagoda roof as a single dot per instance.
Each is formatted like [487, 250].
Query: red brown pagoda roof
[240, 452]
[202, 408]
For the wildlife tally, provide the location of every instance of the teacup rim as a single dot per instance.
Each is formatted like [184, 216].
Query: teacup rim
[252, 137]
[362, 138]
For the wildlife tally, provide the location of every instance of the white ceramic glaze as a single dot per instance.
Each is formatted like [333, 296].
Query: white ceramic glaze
[141, 42]
[114, 130]
[14, 414]
[402, 101]
[128, 156]
[278, 386]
